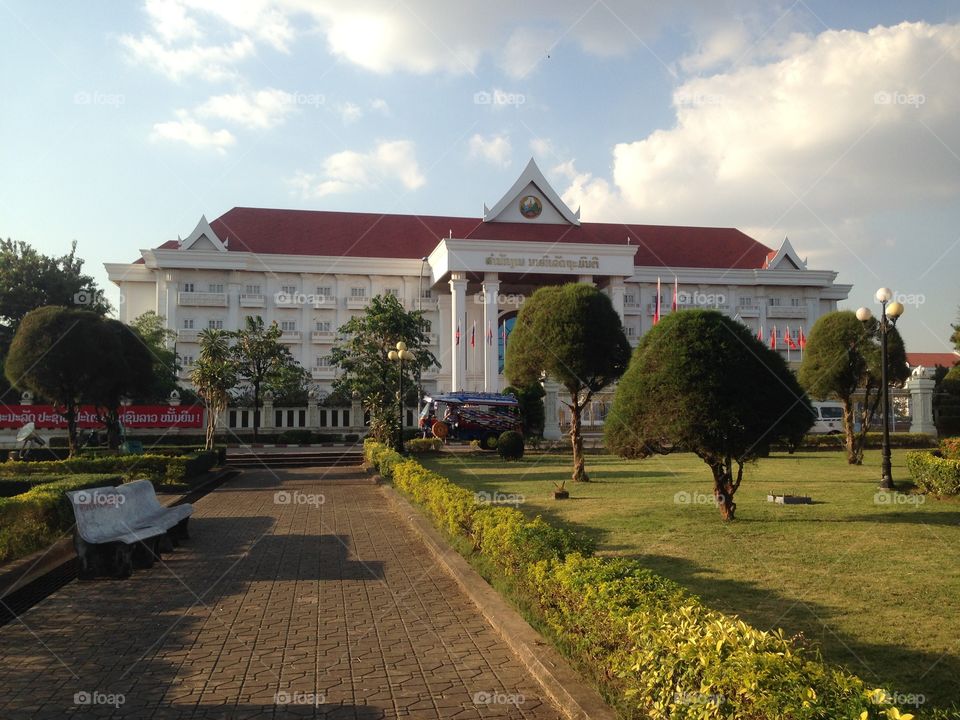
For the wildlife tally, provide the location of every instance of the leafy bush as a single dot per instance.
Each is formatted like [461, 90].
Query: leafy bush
[510, 445]
[652, 647]
[873, 441]
[176, 469]
[932, 474]
[295, 436]
[418, 446]
[35, 519]
[950, 448]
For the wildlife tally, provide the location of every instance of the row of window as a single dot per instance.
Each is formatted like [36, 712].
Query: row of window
[321, 361]
[285, 325]
[684, 298]
[322, 290]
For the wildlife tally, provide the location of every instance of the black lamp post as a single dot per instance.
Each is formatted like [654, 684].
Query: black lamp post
[888, 318]
[399, 355]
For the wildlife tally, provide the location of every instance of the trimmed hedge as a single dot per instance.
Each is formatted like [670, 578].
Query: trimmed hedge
[873, 441]
[33, 520]
[510, 445]
[653, 648]
[935, 475]
[418, 446]
[172, 469]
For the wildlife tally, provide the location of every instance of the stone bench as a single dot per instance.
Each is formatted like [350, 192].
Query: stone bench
[119, 528]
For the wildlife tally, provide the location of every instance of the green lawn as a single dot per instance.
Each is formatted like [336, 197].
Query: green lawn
[876, 586]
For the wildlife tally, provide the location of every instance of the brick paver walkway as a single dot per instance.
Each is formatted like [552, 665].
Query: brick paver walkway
[279, 606]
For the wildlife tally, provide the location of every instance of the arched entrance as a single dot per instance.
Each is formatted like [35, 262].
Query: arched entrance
[505, 323]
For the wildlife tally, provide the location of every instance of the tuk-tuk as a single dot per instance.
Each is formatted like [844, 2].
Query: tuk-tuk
[470, 416]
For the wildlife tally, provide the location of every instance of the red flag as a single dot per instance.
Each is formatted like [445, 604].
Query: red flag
[760, 333]
[791, 343]
[673, 307]
[457, 336]
[656, 307]
[773, 338]
[489, 333]
[803, 339]
[473, 334]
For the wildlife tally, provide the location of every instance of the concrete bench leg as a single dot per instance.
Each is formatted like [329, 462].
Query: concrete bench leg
[87, 556]
[180, 531]
[145, 553]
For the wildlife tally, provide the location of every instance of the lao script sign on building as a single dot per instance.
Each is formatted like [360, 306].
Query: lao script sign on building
[135, 416]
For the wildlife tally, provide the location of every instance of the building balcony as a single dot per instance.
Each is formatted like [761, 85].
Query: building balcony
[322, 336]
[632, 308]
[323, 373]
[202, 299]
[748, 311]
[291, 336]
[787, 311]
[357, 303]
[425, 304]
[184, 335]
[252, 300]
[433, 339]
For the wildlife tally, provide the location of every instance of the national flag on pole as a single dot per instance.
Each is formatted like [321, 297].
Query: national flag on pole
[803, 339]
[473, 334]
[503, 334]
[791, 343]
[489, 333]
[773, 338]
[656, 307]
[457, 336]
[760, 333]
[673, 307]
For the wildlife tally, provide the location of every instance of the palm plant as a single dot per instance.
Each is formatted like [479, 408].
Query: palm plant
[214, 375]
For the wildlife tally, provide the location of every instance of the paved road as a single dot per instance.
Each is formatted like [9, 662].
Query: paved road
[295, 597]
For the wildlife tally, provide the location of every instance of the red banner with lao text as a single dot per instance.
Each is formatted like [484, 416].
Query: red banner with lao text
[134, 416]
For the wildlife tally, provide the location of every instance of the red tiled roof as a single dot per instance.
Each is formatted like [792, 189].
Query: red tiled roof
[313, 232]
[944, 359]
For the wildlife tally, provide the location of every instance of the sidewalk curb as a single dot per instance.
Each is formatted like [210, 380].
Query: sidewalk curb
[561, 683]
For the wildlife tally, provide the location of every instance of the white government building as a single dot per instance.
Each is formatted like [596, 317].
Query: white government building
[310, 271]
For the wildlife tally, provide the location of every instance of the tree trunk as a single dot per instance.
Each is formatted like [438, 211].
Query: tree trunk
[113, 428]
[71, 415]
[724, 487]
[576, 441]
[854, 453]
[211, 427]
[256, 409]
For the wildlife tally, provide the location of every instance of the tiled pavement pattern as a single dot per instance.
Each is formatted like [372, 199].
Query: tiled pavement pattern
[336, 610]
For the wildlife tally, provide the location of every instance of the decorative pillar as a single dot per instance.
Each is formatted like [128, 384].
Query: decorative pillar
[588, 279]
[356, 412]
[444, 338]
[491, 308]
[551, 416]
[458, 307]
[170, 300]
[616, 296]
[920, 384]
[233, 306]
[266, 415]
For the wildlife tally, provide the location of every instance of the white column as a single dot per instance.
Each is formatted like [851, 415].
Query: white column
[458, 307]
[588, 279]
[445, 336]
[920, 384]
[171, 286]
[306, 323]
[551, 419]
[491, 308]
[616, 296]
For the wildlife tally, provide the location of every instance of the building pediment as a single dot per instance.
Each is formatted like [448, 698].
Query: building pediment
[531, 199]
[785, 258]
[203, 238]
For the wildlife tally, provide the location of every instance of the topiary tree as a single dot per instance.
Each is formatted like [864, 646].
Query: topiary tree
[842, 360]
[62, 354]
[572, 334]
[510, 445]
[531, 407]
[700, 381]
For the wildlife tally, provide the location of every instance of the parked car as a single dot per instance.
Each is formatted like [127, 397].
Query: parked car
[470, 416]
[828, 418]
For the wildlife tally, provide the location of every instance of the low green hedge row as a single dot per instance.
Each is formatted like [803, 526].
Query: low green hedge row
[653, 648]
[34, 519]
[932, 474]
[172, 469]
[231, 438]
[424, 445]
[873, 441]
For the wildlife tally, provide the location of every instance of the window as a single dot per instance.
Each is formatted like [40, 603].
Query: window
[188, 287]
[253, 290]
[216, 287]
[324, 291]
[745, 301]
[775, 302]
[427, 326]
[358, 292]
[796, 302]
[289, 289]
[215, 324]
[187, 360]
[426, 294]
[323, 361]
[323, 326]
[393, 292]
[288, 326]
[831, 413]
[629, 299]
[188, 323]
[629, 331]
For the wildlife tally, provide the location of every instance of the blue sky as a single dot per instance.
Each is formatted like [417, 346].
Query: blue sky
[837, 124]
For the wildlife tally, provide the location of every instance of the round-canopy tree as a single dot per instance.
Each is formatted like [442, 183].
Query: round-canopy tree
[571, 334]
[842, 359]
[700, 381]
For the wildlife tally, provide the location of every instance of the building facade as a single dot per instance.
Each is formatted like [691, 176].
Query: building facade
[310, 271]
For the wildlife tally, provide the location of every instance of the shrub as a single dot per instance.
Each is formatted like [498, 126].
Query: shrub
[950, 448]
[645, 639]
[510, 445]
[932, 474]
[418, 446]
[35, 519]
[295, 436]
[176, 469]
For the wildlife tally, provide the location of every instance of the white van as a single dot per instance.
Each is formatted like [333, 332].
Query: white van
[828, 418]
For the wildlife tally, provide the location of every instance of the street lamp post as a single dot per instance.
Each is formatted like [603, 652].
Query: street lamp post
[399, 355]
[890, 312]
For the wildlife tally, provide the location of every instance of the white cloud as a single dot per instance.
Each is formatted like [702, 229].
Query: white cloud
[261, 109]
[350, 171]
[494, 149]
[210, 62]
[187, 130]
[380, 105]
[349, 112]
